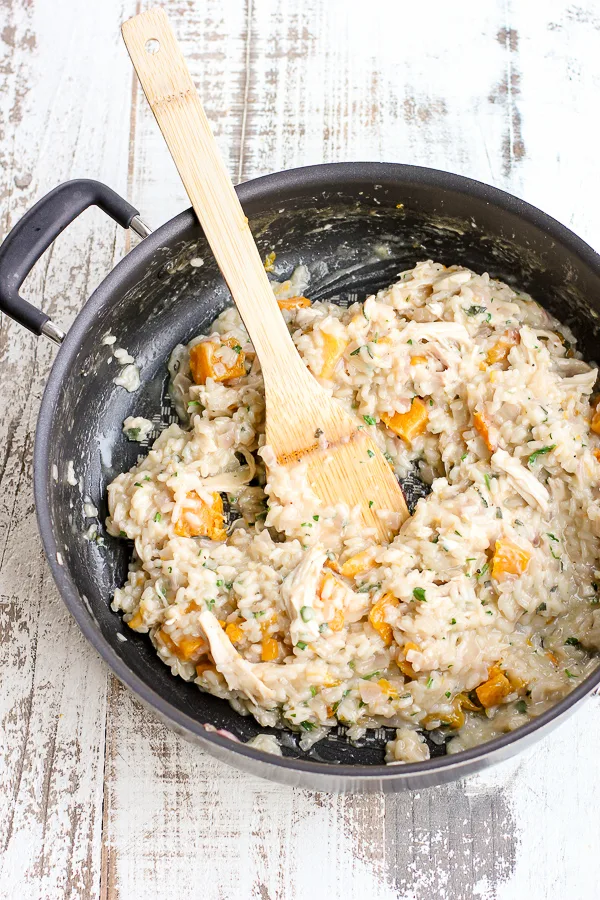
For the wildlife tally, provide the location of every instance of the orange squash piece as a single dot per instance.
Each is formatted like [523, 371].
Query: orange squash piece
[269, 649]
[500, 350]
[403, 664]
[495, 689]
[337, 623]
[387, 688]
[200, 520]
[508, 559]
[204, 358]
[137, 620]
[234, 632]
[185, 648]
[409, 424]
[415, 360]
[359, 563]
[481, 426]
[333, 350]
[597, 454]
[595, 422]
[377, 617]
[293, 303]
[203, 667]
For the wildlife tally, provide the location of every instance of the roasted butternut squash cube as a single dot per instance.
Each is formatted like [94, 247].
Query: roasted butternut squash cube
[409, 424]
[234, 632]
[500, 350]
[495, 689]
[377, 617]
[333, 350]
[269, 649]
[387, 688]
[416, 360]
[293, 303]
[137, 620]
[203, 667]
[198, 519]
[509, 559]
[481, 426]
[597, 454]
[185, 648]
[359, 563]
[338, 621]
[403, 664]
[206, 361]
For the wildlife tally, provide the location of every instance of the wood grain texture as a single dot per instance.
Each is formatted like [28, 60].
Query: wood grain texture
[105, 801]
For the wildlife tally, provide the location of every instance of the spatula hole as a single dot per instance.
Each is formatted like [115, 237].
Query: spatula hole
[152, 46]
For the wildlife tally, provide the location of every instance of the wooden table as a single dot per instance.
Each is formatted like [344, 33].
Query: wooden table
[97, 798]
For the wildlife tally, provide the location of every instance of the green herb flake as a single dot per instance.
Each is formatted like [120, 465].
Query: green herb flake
[301, 645]
[308, 726]
[307, 613]
[482, 571]
[448, 694]
[133, 434]
[147, 478]
[369, 676]
[464, 456]
[541, 608]
[551, 536]
[476, 310]
[370, 420]
[123, 534]
[453, 621]
[573, 642]
[157, 517]
[371, 502]
[137, 484]
[210, 604]
[521, 707]
[370, 454]
[570, 674]
[429, 682]
[419, 594]
[313, 690]
[498, 512]
[488, 481]
[356, 352]
[540, 452]
[316, 518]
[237, 348]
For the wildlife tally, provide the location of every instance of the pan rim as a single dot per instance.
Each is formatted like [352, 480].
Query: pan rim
[323, 176]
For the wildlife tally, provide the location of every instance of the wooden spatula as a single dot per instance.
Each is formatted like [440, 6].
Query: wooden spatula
[301, 416]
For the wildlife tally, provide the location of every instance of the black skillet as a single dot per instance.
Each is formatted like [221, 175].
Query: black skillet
[355, 225]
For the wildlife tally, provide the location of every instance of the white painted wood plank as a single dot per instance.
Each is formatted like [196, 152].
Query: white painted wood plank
[499, 91]
[52, 702]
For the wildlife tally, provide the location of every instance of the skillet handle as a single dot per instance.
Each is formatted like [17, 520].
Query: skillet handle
[38, 228]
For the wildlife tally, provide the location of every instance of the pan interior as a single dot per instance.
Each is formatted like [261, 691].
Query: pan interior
[353, 241]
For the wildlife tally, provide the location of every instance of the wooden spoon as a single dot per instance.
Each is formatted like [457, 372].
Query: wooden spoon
[302, 421]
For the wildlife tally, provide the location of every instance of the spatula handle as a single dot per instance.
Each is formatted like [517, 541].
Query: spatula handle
[167, 84]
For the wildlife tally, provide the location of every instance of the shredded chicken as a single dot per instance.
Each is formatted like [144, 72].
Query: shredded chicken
[239, 674]
[522, 480]
[299, 591]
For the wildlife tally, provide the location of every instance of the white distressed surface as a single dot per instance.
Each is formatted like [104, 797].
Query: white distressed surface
[97, 799]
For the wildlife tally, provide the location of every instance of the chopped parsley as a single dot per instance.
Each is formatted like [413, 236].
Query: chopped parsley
[370, 453]
[573, 642]
[308, 726]
[157, 517]
[551, 536]
[133, 434]
[369, 676]
[301, 645]
[541, 608]
[307, 613]
[370, 420]
[464, 456]
[481, 572]
[356, 352]
[521, 707]
[137, 484]
[123, 534]
[540, 452]
[429, 682]
[316, 518]
[476, 310]
[488, 481]
[419, 594]
[210, 604]
[448, 694]
[313, 690]
[371, 502]
[453, 621]
[237, 348]
[570, 674]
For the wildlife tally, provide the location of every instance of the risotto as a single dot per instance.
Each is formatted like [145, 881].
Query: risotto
[484, 608]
